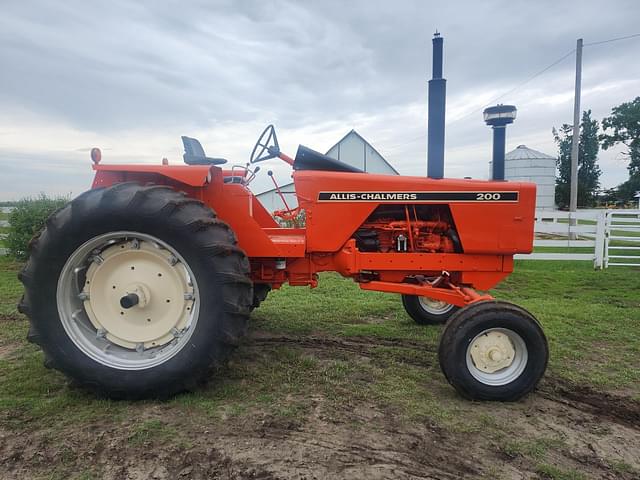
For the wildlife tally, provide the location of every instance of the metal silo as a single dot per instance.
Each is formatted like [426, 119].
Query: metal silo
[529, 165]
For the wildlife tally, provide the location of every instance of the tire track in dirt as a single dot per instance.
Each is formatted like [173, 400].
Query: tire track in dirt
[622, 410]
[360, 442]
[363, 346]
[313, 340]
[33, 455]
[337, 451]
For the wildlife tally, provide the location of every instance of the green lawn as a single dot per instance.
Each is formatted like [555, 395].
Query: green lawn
[591, 318]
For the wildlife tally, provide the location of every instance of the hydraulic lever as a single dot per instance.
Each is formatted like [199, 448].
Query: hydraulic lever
[284, 201]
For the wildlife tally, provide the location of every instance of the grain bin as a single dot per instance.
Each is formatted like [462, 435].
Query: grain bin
[526, 164]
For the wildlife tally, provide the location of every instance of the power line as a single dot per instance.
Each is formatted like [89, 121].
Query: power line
[517, 87]
[612, 40]
[474, 112]
[544, 70]
[415, 139]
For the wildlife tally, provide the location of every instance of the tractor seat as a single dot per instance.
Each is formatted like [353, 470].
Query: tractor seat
[307, 159]
[194, 153]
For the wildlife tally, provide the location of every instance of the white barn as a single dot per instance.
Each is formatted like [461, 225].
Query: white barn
[352, 149]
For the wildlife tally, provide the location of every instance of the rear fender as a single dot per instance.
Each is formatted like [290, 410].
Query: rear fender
[187, 175]
[232, 202]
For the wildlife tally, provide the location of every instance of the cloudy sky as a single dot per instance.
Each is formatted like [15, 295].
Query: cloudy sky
[132, 76]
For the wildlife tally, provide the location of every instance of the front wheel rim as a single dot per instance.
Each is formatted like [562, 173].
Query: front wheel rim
[497, 357]
[128, 300]
[435, 307]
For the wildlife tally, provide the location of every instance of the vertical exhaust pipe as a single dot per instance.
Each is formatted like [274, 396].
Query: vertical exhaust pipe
[437, 96]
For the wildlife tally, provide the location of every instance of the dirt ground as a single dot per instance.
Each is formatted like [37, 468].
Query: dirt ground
[590, 434]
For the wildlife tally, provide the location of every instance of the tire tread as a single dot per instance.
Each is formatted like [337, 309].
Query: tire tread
[213, 239]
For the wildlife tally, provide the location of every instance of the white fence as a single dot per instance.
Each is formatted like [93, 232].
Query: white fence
[622, 242]
[597, 236]
[553, 228]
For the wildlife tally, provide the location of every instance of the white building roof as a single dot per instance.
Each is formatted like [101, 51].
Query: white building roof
[334, 152]
[364, 141]
[522, 152]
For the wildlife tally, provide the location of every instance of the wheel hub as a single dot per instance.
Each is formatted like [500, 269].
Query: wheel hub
[137, 295]
[434, 306]
[492, 351]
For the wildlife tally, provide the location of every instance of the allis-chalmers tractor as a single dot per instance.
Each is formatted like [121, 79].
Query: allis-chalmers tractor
[138, 286]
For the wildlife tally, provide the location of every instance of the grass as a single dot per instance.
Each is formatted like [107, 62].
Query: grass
[591, 318]
[151, 431]
[587, 315]
[556, 473]
[10, 288]
[535, 448]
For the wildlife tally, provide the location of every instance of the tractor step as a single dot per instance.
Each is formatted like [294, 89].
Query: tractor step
[291, 242]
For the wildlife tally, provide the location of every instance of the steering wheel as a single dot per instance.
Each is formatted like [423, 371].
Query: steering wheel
[266, 147]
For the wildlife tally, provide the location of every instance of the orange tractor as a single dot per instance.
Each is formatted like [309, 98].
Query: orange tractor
[136, 287]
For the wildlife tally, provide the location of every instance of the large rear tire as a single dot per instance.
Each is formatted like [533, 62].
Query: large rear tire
[136, 291]
[493, 351]
[260, 292]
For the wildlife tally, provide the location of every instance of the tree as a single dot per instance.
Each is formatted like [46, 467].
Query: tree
[625, 123]
[588, 169]
[628, 190]
[28, 218]
[624, 126]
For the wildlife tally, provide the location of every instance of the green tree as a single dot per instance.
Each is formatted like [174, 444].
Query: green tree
[627, 190]
[588, 169]
[623, 127]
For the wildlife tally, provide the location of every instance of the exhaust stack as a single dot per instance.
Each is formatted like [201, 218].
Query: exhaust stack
[437, 96]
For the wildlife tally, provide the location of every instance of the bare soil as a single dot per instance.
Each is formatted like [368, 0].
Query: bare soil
[599, 435]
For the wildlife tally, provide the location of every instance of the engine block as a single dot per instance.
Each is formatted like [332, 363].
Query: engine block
[405, 228]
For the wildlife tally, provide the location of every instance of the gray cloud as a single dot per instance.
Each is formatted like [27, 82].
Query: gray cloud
[133, 76]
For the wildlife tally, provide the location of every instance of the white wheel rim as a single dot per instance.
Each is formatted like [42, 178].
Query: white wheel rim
[435, 307]
[111, 266]
[497, 356]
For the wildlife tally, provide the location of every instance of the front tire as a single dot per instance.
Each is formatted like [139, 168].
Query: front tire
[136, 291]
[493, 351]
[427, 311]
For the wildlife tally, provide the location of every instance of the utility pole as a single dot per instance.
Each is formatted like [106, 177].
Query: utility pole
[573, 199]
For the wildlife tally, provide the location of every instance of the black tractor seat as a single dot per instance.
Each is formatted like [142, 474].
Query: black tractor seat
[194, 153]
[308, 159]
